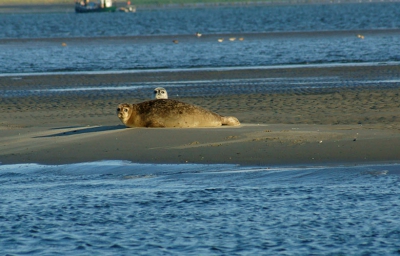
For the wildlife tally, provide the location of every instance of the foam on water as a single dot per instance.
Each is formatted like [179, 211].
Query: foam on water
[136, 71]
[104, 167]
[119, 168]
[176, 84]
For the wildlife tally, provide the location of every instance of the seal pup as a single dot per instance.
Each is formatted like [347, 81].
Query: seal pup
[170, 113]
[160, 93]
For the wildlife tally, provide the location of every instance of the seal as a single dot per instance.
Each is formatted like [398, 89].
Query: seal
[160, 93]
[170, 113]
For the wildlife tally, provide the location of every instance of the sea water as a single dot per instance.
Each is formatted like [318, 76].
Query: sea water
[272, 35]
[123, 208]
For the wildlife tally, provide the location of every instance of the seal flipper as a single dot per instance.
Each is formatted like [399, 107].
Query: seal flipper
[229, 120]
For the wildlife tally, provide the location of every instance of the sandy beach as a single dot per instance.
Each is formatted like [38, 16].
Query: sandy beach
[315, 126]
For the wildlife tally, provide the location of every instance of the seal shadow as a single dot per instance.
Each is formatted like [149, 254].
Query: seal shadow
[84, 130]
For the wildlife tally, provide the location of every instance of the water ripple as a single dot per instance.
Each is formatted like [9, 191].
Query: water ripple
[198, 209]
[272, 35]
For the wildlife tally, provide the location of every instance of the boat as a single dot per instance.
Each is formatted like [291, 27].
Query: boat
[85, 6]
[128, 8]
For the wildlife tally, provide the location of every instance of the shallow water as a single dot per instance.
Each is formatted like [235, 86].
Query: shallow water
[119, 207]
[216, 87]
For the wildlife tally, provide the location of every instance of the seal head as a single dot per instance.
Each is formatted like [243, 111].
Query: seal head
[160, 93]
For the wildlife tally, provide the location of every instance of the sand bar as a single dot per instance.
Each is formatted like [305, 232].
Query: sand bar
[351, 125]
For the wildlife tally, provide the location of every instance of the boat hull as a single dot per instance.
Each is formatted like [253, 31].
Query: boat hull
[85, 9]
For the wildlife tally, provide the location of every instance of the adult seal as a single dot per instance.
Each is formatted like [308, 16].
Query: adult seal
[170, 113]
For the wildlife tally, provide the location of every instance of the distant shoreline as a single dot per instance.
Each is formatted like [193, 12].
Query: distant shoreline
[62, 6]
[167, 3]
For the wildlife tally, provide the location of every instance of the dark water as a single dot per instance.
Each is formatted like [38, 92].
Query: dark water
[124, 208]
[273, 35]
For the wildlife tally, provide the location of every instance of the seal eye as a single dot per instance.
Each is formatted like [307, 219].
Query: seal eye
[125, 109]
[118, 109]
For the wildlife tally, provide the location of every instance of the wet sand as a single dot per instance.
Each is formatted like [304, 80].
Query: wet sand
[315, 126]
